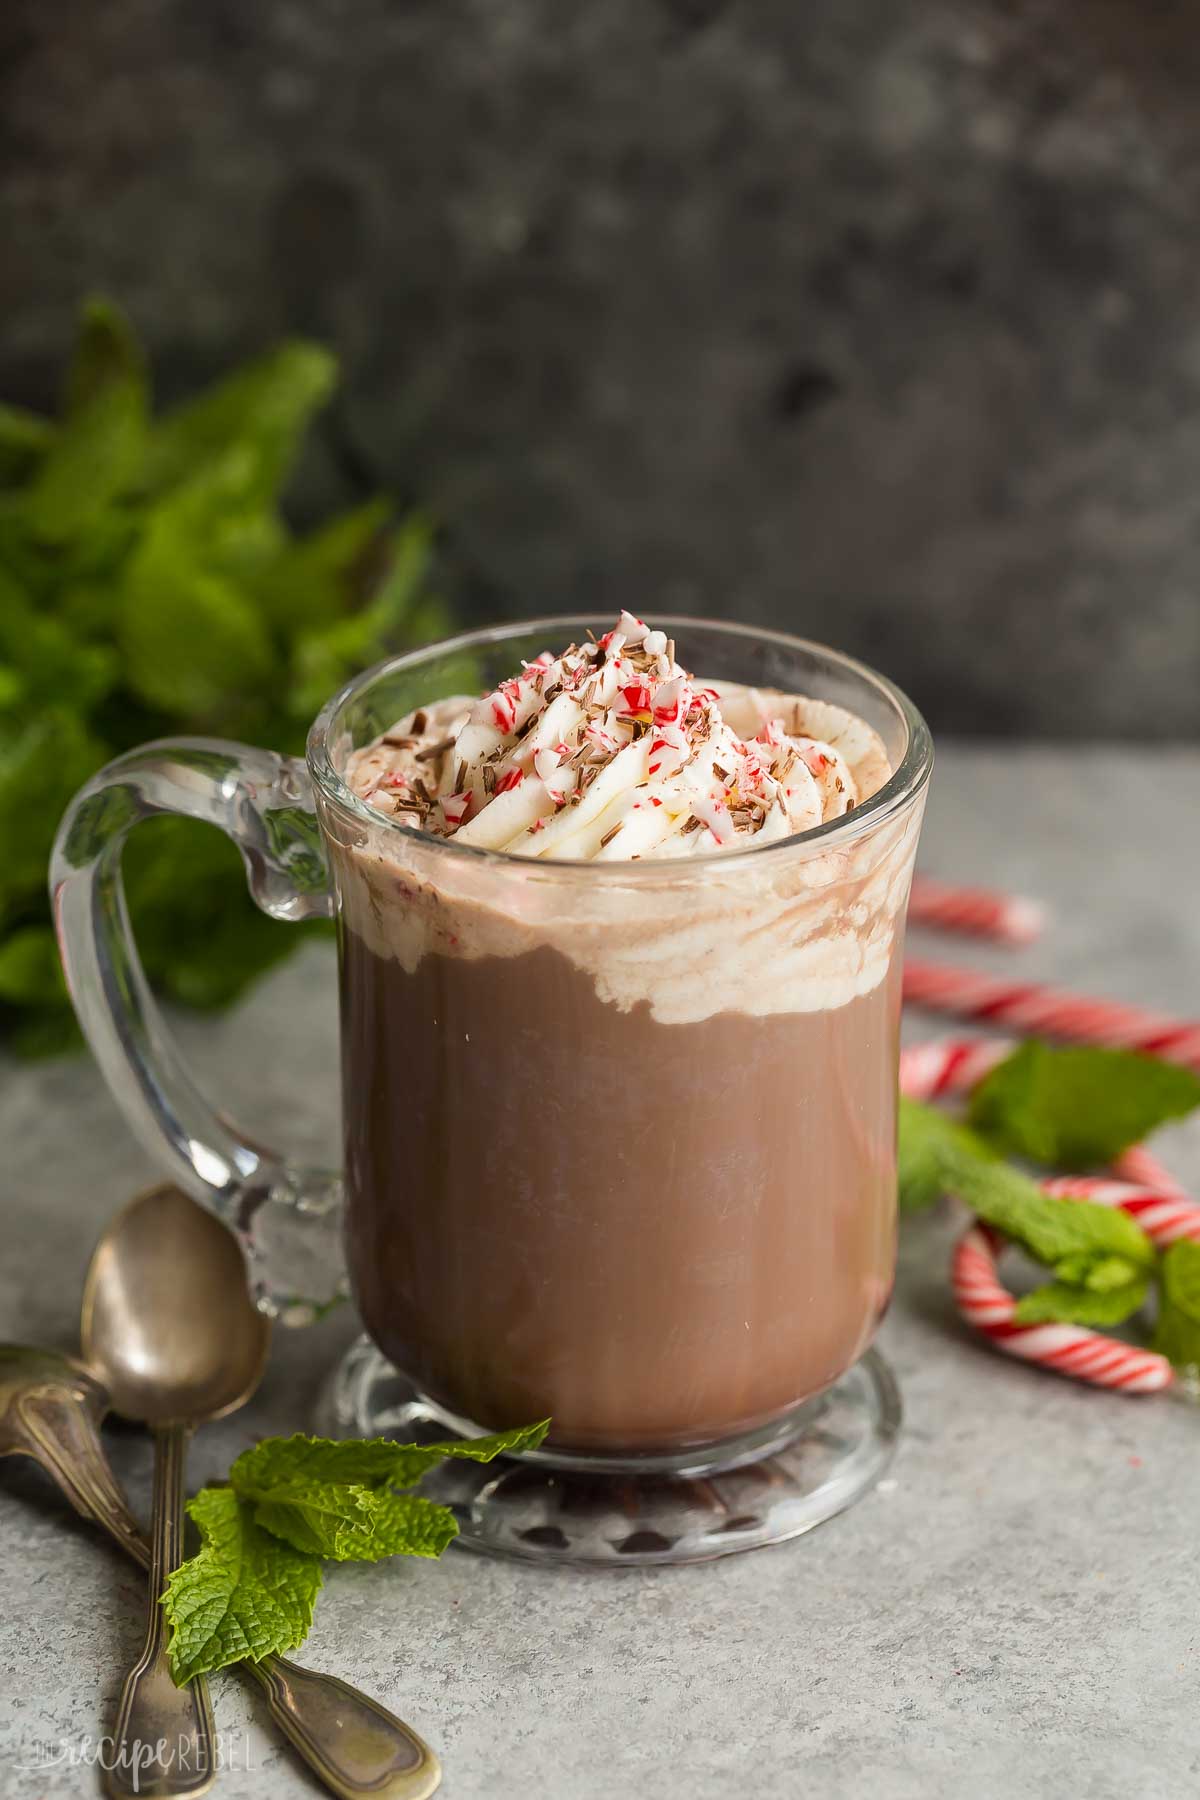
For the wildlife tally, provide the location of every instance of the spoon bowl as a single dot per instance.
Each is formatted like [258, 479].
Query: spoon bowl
[167, 1322]
[169, 1327]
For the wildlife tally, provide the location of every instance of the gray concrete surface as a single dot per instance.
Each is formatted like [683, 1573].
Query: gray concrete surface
[877, 312]
[1013, 1612]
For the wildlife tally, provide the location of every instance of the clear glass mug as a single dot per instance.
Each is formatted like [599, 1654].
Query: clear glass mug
[620, 1138]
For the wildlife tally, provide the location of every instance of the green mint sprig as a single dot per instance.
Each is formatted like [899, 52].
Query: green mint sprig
[151, 584]
[244, 1594]
[291, 1502]
[1060, 1106]
[1078, 1107]
[1069, 1303]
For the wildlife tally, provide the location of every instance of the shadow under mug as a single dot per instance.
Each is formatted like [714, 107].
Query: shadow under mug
[620, 1137]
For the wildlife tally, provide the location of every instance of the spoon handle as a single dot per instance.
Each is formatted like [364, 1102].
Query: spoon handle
[356, 1746]
[163, 1739]
[359, 1749]
[60, 1434]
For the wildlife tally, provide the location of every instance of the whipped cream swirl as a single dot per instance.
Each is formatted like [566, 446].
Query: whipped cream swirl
[611, 751]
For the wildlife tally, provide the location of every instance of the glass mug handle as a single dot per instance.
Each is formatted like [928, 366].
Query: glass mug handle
[287, 1219]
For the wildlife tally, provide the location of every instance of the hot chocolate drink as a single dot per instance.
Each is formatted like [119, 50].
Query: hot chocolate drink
[620, 1101]
[705, 1239]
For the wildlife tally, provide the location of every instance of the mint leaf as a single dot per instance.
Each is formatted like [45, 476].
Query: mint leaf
[281, 1468]
[107, 354]
[267, 405]
[96, 455]
[360, 1524]
[930, 1144]
[412, 1460]
[50, 664]
[325, 1518]
[191, 642]
[1064, 1303]
[1074, 1237]
[329, 574]
[283, 1464]
[1076, 1107]
[1100, 1274]
[333, 1497]
[1177, 1335]
[408, 1525]
[215, 501]
[400, 611]
[245, 1594]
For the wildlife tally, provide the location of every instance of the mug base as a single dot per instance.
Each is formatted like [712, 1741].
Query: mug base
[551, 1507]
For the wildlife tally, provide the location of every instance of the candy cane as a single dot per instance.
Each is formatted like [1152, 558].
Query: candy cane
[1140, 1165]
[981, 912]
[1150, 1195]
[1028, 1006]
[1163, 1217]
[949, 1065]
[1069, 1349]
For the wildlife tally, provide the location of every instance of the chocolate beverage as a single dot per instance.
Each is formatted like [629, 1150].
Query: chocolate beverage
[660, 1234]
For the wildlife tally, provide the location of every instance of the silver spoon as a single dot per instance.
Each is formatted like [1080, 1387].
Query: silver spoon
[51, 1408]
[168, 1326]
[169, 1329]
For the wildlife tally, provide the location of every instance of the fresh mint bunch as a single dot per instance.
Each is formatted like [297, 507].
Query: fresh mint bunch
[291, 1502]
[1076, 1107]
[1063, 1106]
[150, 585]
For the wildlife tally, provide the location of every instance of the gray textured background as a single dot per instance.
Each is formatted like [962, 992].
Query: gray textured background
[875, 320]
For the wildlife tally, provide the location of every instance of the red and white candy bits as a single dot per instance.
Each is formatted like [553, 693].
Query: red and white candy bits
[1150, 1196]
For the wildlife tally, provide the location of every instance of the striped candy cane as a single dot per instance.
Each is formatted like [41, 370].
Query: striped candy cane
[1069, 1349]
[949, 1065]
[1029, 1007]
[1141, 1166]
[980, 912]
[1151, 1196]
